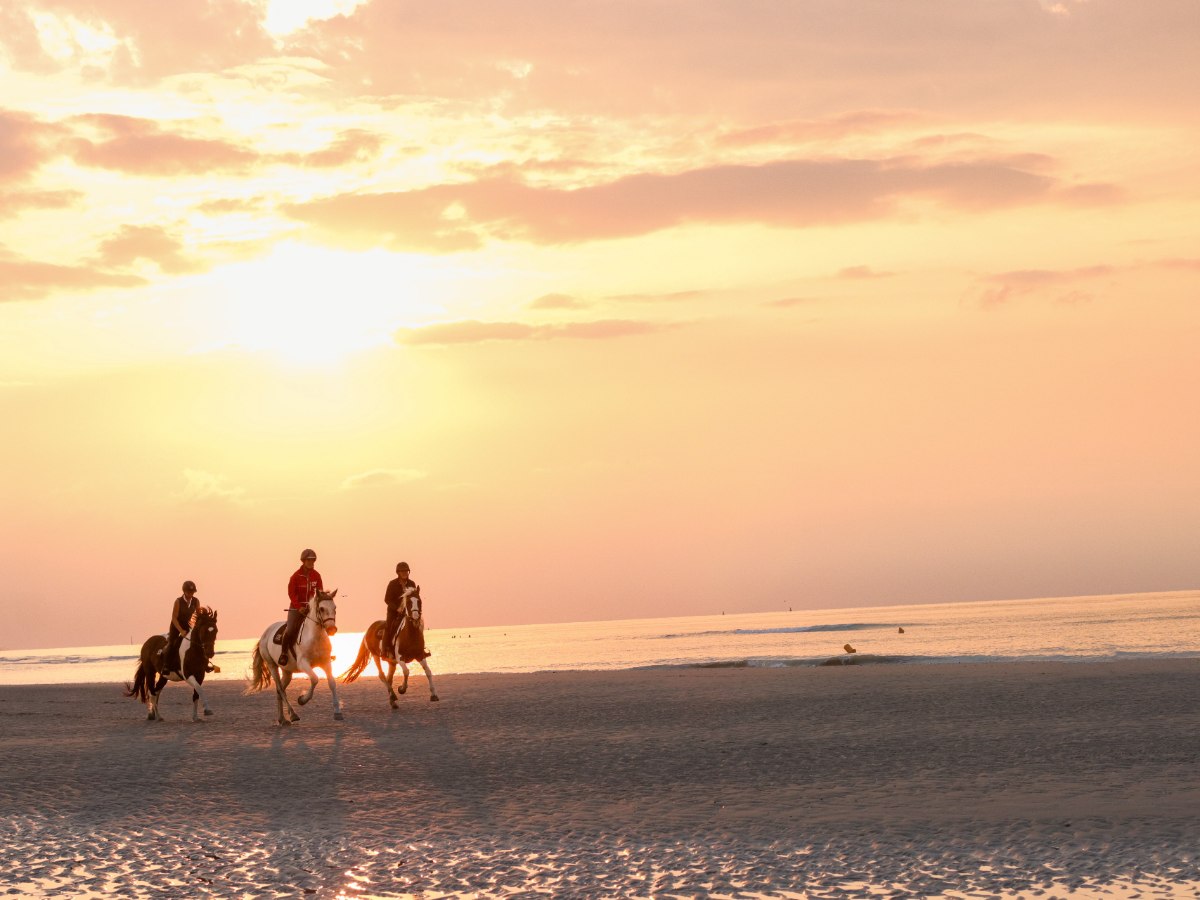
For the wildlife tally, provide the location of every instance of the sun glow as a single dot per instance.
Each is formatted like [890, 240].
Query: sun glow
[312, 306]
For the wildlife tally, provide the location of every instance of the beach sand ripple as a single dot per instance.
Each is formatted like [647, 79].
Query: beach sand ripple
[1032, 780]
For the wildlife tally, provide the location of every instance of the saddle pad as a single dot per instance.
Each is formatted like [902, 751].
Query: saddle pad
[278, 638]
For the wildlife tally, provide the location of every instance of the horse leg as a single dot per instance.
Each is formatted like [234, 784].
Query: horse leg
[391, 673]
[198, 695]
[276, 675]
[404, 686]
[281, 697]
[312, 682]
[429, 677]
[157, 695]
[327, 668]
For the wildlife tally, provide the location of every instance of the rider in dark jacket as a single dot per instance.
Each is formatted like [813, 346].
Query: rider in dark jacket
[394, 598]
[182, 612]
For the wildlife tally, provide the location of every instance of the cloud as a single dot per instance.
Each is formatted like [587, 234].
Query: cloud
[859, 273]
[1004, 287]
[24, 144]
[148, 41]
[474, 332]
[831, 128]
[142, 147]
[668, 297]
[205, 487]
[14, 202]
[556, 301]
[376, 478]
[787, 193]
[350, 146]
[789, 302]
[151, 243]
[25, 279]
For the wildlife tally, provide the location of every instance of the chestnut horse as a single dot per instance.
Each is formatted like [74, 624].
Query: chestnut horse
[408, 645]
[312, 651]
[195, 655]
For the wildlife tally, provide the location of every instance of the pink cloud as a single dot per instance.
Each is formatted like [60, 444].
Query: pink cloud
[1006, 286]
[862, 272]
[828, 129]
[156, 39]
[140, 146]
[787, 193]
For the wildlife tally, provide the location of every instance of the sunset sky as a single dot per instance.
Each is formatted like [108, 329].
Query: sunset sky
[593, 310]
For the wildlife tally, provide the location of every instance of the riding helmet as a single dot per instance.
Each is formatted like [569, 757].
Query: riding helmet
[189, 586]
[401, 567]
[308, 554]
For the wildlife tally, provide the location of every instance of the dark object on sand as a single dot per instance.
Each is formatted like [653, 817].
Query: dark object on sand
[901, 629]
[849, 649]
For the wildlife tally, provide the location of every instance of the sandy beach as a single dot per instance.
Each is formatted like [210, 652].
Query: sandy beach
[959, 780]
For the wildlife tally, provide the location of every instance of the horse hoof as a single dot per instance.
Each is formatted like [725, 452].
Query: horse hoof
[295, 718]
[394, 704]
[149, 717]
[402, 691]
[339, 717]
[434, 698]
[285, 723]
[301, 699]
[208, 712]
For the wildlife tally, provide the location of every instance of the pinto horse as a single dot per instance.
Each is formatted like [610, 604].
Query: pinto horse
[195, 654]
[312, 651]
[407, 646]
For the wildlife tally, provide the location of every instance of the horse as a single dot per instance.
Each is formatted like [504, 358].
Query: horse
[312, 651]
[195, 653]
[408, 645]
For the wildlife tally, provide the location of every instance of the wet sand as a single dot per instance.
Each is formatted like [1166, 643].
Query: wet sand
[1023, 779]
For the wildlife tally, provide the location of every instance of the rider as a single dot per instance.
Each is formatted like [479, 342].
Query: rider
[394, 598]
[303, 582]
[182, 612]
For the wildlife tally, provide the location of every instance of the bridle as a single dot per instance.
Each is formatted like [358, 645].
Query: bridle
[316, 614]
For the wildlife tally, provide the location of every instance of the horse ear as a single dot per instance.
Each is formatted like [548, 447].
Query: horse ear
[333, 593]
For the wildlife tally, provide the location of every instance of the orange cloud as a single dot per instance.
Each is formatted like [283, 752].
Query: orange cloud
[24, 279]
[150, 243]
[14, 202]
[556, 301]
[474, 332]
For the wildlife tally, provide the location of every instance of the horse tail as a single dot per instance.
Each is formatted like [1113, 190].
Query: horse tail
[360, 663]
[139, 684]
[260, 675]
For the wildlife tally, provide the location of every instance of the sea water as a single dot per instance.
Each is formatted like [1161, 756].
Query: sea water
[1066, 629]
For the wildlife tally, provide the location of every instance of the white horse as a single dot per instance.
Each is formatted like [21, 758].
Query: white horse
[408, 645]
[312, 651]
[196, 651]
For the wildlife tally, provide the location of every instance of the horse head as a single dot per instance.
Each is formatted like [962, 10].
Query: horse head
[326, 611]
[410, 604]
[204, 632]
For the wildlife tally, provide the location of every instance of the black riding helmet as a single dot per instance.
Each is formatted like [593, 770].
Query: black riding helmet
[402, 567]
[189, 586]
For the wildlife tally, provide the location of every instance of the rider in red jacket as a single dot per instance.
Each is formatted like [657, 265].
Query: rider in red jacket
[301, 585]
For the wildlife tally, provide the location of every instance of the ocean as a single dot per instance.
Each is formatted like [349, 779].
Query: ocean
[1075, 629]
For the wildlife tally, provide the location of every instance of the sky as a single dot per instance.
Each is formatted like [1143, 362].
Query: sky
[593, 310]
